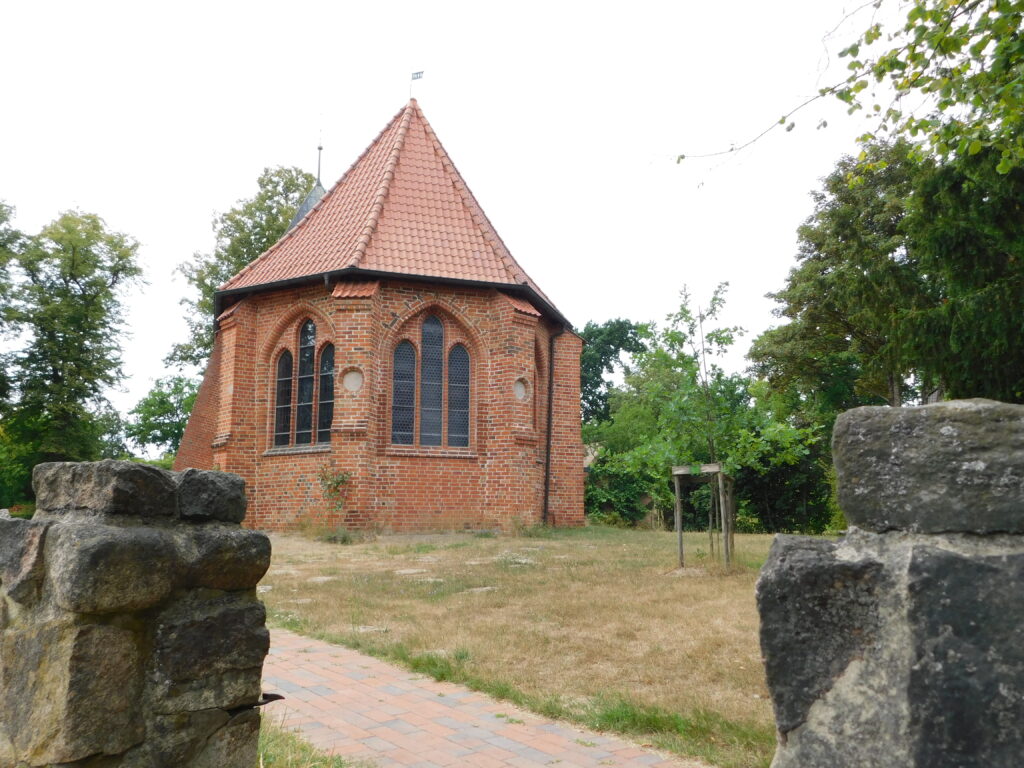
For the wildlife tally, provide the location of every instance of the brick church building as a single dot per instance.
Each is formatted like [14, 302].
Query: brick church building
[390, 337]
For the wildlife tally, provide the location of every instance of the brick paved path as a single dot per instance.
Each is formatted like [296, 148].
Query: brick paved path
[368, 710]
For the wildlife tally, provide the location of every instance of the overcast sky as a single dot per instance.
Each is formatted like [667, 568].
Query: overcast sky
[564, 118]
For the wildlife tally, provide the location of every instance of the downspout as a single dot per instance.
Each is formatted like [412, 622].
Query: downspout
[547, 450]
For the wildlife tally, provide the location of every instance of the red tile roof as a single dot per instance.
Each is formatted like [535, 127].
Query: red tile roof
[355, 289]
[522, 305]
[401, 208]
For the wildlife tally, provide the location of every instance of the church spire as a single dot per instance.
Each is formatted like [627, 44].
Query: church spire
[314, 195]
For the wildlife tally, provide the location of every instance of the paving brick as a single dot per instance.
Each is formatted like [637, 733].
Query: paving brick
[358, 720]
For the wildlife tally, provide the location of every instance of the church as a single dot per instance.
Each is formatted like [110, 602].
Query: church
[388, 365]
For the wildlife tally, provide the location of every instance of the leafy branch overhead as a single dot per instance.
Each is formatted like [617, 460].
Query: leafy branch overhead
[964, 58]
[948, 76]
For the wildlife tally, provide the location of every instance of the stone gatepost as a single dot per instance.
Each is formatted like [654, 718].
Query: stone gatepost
[902, 644]
[130, 631]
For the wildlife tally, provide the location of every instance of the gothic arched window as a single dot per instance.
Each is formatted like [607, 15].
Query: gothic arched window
[422, 383]
[308, 391]
[283, 400]
[458, 396]
[403, 406]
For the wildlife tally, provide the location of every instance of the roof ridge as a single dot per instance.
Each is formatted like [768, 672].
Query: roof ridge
[385, 185]
[476, 211]
[320, 203]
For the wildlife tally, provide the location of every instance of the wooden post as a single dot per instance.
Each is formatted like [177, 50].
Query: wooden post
[726, 522]
[711, 526]
[679, 519]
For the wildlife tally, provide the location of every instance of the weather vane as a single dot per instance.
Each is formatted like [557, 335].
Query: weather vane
[415, 76]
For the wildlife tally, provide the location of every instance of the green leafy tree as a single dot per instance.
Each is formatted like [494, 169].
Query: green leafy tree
[967, 225]
[678, 406]
[159, 418]
[965, 58]
[64, 304]
[856, 273]
[603, 347]
[243, 233]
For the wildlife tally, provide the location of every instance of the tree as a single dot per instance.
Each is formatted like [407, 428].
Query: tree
[64, 304]
[7, 238]
[965, 58]
[243, 233]
[677, 406]
[160, 417]
[856, 273]
[967, 226]
[602, 353]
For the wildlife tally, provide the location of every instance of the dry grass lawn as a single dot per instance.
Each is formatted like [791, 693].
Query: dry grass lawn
[593, 624]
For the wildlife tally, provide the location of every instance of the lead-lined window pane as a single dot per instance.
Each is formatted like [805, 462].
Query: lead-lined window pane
[283, 400]
[458, 397]
[431, 381]
[403, 394]
[304, 401]
[325, 410]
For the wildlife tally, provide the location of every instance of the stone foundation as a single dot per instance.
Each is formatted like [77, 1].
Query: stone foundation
[902, 644]
[130, 632]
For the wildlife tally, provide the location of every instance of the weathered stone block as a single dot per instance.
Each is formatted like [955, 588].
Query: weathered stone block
[70, 692]
[174, 740]
[954, 466]
[817, 614]
[966, 688]
[104, 569]
[21, 558]
[210, 654]
[130, 633]
[236, 745]
[103, 487]
[206, 495]
[224, 557]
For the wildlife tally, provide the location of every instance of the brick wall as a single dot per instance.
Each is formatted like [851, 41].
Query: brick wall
[495, 482]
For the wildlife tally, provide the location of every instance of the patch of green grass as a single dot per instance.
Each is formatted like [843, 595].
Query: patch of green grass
[281, 748]
[420, 548]
[534, 532]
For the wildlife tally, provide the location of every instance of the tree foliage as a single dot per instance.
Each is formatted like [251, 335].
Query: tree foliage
[63, 306]
[159, 418]
[603, 347]
[967, 231]
[965, 58]
[243, 233]
[910, 280]
[855, 274]
[678, 406]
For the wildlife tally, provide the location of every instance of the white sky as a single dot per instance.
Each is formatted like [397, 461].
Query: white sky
[565, 118]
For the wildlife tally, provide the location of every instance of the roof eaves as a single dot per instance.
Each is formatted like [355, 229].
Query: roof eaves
[532, 294]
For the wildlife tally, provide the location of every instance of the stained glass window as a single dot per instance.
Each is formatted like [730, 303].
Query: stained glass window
[283, 400]
[431, 381]
[458, 396]
[325, 409]
[304, 400]
[403, 406]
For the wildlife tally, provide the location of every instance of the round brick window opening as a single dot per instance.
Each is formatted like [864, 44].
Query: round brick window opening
[521, 389]
[352, 380]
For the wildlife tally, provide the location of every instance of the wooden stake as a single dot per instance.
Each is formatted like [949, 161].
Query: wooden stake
[679, 519]
[726, 522]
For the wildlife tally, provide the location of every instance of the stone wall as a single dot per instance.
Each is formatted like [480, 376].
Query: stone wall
[902, 644]
[130, 632]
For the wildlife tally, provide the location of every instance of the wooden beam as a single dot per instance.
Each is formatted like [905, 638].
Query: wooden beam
[705, 469]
